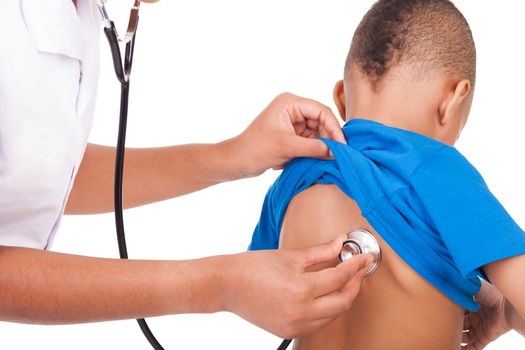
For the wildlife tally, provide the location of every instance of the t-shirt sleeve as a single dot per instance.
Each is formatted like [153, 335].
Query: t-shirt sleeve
[297, 176]
[473, 224]
[265, 235]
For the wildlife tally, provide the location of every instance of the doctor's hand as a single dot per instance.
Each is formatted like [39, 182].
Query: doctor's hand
[286, 129]
[273, 290]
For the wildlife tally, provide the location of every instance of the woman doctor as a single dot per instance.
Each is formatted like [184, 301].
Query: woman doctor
[48, 79]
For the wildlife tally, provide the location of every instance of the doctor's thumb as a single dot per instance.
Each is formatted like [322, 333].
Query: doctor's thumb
[323, 253]
[307, 147]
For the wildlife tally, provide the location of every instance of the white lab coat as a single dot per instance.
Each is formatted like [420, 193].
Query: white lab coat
[48, 76]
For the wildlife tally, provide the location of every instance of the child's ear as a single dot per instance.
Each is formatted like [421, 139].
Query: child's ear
[451, 107]
[339, 99]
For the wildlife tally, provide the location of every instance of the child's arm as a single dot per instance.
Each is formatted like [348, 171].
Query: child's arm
[495, 317]
[514, 320]
[508, 276]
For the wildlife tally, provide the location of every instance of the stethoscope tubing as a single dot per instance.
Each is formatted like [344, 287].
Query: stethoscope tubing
[123, 71]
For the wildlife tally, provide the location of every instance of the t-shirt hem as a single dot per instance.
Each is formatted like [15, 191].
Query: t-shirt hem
[472, 263]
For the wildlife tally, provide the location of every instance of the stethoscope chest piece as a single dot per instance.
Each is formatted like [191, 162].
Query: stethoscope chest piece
[361, 242]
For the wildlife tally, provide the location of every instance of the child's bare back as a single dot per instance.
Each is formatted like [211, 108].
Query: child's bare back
[396, 308]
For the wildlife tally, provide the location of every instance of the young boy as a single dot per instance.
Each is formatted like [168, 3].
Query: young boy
[406, 95]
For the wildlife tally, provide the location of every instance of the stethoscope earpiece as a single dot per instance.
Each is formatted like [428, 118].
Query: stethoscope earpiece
[361, 242]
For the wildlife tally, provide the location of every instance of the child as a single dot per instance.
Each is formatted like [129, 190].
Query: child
[406, 95]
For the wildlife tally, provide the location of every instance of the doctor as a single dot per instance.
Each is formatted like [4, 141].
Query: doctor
[48, 80]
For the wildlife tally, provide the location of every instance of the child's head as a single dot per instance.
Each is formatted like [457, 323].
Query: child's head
[412, 64]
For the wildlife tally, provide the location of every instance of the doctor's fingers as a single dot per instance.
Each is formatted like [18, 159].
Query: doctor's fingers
[299, 146]
[312, 128]
[334, 279]
[309, 114]
[336, 302]
[321, 253]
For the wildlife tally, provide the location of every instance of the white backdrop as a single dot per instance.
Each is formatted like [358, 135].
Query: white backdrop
[203, 70]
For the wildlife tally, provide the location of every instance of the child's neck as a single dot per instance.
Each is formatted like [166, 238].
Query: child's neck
[399, 103]
[397, 121]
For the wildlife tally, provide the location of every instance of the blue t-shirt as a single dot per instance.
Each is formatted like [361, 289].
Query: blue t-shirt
[422, 196]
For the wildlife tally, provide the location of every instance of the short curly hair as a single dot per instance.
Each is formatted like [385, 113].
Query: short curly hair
[431, 36]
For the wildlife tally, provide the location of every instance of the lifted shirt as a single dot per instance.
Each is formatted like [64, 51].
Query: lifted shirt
[422, 196]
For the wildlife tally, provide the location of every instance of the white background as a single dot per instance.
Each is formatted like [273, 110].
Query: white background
[203, 70]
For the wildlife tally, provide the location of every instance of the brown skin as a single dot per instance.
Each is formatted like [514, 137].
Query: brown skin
[393, 310]
[271, 289]
[496, 317]
[507, 277]
[285, 299]
[284, 130]
[52, 288]
[437, 108]
[393, 307]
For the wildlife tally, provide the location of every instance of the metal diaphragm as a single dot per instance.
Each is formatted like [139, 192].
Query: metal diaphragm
[361, 242]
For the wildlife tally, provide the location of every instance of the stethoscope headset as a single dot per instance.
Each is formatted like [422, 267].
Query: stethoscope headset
[358, 241]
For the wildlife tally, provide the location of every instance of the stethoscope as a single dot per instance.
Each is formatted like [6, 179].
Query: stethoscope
[357, 242]
[123, 71]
